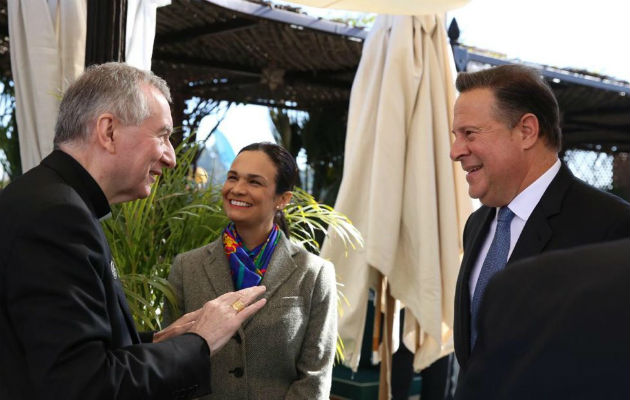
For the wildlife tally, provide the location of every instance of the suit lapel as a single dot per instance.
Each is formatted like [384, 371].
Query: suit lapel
[217, 269]
[475, 241]
[124, 305]
[119, 291]
[537, 231]
[280, 268]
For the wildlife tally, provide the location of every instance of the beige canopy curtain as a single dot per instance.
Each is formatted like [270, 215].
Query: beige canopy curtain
[401, 190]
[47, 54]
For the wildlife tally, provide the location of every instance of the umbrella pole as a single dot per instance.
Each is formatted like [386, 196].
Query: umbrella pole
[384, 296]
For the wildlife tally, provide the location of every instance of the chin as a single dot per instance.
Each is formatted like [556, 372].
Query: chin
[477, 192]
[473, 194]
[143, 193]
[234, 217]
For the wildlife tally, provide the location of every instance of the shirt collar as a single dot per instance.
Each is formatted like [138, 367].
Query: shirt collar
[525, 202]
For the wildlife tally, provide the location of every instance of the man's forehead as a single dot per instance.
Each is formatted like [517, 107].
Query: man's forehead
[475, 100]
[159, 105]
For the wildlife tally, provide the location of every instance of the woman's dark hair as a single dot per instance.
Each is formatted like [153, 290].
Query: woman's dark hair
[286, 173]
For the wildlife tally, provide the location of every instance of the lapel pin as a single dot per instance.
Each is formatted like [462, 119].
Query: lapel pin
[114, 271]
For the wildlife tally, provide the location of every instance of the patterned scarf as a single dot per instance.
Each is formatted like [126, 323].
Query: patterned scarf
[248, 267]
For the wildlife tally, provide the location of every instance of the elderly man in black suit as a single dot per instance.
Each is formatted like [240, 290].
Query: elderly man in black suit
[65, 328]
[555, 326]
[507, 138]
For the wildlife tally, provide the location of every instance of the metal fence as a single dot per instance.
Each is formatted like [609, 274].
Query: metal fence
[608, 171]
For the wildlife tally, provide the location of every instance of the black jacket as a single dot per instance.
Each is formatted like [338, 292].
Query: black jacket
[65, 328]
[555, 326]
[570, 213]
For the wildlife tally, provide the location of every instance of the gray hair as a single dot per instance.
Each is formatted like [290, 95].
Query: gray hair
[111, 87]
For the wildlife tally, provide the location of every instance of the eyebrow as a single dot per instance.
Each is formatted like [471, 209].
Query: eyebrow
[167, 129]
[250, 176]
[463, 128]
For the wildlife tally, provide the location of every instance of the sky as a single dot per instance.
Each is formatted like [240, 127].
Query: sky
[242, 125]
[594, 36]
[591, 35]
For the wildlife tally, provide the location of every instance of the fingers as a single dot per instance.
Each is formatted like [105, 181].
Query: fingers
[188, 317]
[221, 318]
[238, 305]
[175, 329]
[250, 310]
[237, 300]
[249, 294]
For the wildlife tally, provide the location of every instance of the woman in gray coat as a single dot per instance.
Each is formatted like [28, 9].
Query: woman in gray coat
[286, 350]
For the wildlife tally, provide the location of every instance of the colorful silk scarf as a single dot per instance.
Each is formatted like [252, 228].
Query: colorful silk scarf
[248, 266]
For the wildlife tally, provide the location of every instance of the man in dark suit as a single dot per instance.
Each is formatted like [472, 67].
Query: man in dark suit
[65, 328]
[555, 326]
[507, 138]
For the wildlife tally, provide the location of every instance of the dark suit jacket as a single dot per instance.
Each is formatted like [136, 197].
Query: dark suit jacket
[570, 213]
[65, 328]
[556, 326]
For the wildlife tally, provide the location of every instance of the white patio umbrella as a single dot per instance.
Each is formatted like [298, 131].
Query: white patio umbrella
[400, 188]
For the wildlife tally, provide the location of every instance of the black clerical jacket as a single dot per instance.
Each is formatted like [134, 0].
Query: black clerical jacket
[65, 328]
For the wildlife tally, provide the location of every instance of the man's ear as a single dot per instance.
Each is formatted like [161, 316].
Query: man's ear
[529, 129]
[105, 132]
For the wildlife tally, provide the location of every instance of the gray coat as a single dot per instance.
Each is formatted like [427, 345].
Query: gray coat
[286, 350]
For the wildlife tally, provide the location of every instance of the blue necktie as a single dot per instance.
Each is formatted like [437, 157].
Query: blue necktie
[495, 261]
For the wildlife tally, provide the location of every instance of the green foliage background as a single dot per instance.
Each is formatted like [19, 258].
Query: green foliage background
[9, 145]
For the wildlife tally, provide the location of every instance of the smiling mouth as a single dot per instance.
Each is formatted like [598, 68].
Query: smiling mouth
[239, 203]
[470, 170]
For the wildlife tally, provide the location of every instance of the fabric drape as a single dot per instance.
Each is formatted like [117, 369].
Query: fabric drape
[140, 32]
[47, 54]
[400, 188]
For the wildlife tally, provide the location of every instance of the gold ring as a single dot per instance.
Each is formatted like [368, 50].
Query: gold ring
[238, 306]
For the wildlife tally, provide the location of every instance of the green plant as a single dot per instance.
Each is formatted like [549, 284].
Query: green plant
[311, 221]
[146, 234]
[179, 215]
[9, 145]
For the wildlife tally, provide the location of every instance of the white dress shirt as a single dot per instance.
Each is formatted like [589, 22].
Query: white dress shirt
[522, 206]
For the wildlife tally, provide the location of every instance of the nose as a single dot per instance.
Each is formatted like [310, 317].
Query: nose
[168, 157]
[459, 149]
[239, 187]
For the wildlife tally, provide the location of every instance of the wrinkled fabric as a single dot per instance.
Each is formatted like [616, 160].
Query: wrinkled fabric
[47, 55]
[400, 188]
